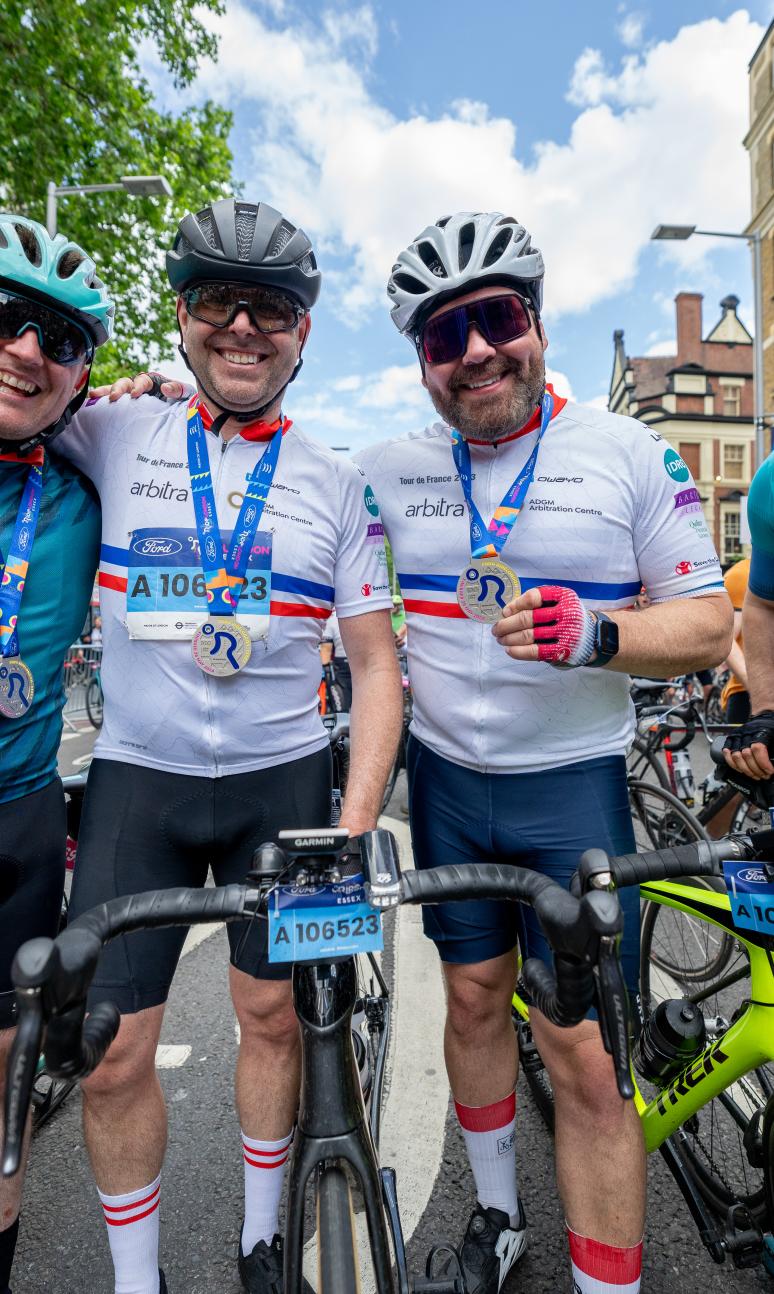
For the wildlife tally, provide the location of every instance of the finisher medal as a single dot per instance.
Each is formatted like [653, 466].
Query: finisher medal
[485, 588]
[17, 687]
[221, 646]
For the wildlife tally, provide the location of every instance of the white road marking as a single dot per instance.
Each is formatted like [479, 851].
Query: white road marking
[414, 1117]
[169, 1056]
[197, 935]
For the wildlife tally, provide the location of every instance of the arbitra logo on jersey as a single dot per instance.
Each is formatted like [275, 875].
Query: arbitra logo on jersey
[436, 508]
[159, 490]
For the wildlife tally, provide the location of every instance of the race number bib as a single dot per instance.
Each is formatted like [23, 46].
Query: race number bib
[166, 593]
[323, 921]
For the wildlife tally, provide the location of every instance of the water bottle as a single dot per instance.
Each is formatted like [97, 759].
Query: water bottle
[683, 771]
[673, 1036]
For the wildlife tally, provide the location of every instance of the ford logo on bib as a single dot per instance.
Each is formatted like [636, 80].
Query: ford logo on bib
[156, 547]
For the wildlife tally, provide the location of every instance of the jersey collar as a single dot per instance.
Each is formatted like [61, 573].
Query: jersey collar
[559, 403]
[252, 430]
[36, 457]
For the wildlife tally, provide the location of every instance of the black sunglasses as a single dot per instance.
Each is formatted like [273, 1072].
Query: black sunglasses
[218, 304]
[60, 339]
[498, 319]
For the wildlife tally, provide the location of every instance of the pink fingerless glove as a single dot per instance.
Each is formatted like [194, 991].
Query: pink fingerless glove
[564, 630]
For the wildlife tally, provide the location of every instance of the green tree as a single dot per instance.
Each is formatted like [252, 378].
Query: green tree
[77, 110]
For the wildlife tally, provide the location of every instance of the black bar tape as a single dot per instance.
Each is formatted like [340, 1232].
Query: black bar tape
[700, 859]
[155, 908]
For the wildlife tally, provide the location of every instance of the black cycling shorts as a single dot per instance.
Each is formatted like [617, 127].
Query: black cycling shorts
[144, 830]
[32, 871]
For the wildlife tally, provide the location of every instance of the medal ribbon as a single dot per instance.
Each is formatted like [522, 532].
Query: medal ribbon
[14, 569]
[489, 541]
[221, 568]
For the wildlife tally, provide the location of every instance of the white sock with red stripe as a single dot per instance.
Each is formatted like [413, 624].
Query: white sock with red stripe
[133, 1231]
[604, 1269]
[264, 1174]
[490, 1142]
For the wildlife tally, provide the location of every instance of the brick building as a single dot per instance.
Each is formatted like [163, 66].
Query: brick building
[759, 142]
[701, 401]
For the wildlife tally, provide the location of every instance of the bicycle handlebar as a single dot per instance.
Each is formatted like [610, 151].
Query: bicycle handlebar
[702, 858]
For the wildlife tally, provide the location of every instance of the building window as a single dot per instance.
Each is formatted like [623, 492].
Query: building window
[732, 401]
[733, 462]
[732, 546]
[690, 453]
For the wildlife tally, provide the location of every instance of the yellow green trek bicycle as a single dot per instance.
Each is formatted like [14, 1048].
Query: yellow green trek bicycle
[704, 1059]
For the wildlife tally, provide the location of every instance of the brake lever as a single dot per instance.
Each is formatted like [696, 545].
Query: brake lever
[613, 1005]
[31, 969]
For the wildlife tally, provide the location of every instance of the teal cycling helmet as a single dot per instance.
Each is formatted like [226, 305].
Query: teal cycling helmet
[55, 272]
[59, 274]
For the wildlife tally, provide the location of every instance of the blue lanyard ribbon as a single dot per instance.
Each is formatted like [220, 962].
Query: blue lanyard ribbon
[221, 569]
[489, 540]
[14, 569]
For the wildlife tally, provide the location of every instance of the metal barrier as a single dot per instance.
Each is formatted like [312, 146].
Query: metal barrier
[81, 667]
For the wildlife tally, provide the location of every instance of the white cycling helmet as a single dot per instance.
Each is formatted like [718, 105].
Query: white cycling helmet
[457, 254]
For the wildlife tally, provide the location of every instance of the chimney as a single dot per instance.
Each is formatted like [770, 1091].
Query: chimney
[689, 341]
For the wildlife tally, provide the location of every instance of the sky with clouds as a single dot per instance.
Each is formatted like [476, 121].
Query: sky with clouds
[590, 123]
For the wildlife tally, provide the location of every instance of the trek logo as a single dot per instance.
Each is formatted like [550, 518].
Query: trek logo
[435, 508]
[159, 490]
[675, 467]
[156, 547]
[691, 1077]
[369, 500]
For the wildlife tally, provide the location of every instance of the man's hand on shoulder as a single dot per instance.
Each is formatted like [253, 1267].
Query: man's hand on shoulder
[163, 388]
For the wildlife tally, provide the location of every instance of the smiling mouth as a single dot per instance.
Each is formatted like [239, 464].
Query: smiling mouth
[245, 358]
[484, 383]
[17, 384]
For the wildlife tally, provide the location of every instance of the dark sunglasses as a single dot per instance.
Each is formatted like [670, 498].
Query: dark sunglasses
[218, 304]
[498, 319]
[60, 339]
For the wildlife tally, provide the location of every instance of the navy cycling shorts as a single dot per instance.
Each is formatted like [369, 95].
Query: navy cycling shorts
[541, 820]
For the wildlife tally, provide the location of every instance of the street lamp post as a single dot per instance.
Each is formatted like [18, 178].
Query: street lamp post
[680, 233]
[141, 186]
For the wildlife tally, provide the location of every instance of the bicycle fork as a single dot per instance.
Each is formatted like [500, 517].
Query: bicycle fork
[332, 1121]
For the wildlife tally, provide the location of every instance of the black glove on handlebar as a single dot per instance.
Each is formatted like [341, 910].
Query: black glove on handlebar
[758, 728]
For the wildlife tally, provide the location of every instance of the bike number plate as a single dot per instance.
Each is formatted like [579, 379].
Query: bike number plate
[751, 895]
[312, 923]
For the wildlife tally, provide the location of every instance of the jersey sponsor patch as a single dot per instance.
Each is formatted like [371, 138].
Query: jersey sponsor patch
[166, 592]
[675, 467]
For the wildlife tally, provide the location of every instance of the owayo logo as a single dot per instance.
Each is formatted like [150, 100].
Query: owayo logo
[675, 467]
[369, 499]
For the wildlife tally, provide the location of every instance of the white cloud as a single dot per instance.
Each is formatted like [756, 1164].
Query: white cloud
[662, 348]
[560, 382]
[630, 29]
[363, 180]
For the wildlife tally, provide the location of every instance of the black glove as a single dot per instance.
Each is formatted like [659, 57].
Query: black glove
[758, 728]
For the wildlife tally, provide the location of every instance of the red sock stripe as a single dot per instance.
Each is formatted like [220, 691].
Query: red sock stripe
[109, 1209]
[487, 1118]
[606, 1262]
[256, 1163]
[282, 1149]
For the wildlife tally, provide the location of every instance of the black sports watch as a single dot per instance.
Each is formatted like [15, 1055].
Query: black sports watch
[605, 640]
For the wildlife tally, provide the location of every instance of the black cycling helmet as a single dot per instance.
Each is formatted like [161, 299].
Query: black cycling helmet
[244, 242]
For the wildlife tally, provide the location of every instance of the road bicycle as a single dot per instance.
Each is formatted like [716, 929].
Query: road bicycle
[711, 1112]
[336, 1139]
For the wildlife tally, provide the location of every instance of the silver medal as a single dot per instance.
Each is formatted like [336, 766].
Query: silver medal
[17, 687]
[485, 588]
[221, 646]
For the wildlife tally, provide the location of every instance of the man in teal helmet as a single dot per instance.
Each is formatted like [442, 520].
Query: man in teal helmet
[54, 312]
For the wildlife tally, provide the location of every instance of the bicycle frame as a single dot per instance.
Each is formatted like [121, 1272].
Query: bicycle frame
[746, 1044]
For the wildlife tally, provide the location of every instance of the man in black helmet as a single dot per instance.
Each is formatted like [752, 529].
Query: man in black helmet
[228, 536]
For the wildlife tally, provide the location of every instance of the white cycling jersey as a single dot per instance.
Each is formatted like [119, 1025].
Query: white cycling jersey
[611, 508]
[320, 542]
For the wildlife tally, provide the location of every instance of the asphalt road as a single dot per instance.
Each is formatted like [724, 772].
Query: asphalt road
[63, 1248]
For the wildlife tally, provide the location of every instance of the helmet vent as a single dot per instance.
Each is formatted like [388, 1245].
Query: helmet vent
[244, 225]
[68, 264]
[281, 238]
[207, 226]
[3, 239]
[498, 246]
[443, 222]
[432, 260]
[407, 283]
[30, 244]
[466, 240]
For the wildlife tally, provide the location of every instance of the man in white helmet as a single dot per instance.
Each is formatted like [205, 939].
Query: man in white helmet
[54, 313]
[521, 645]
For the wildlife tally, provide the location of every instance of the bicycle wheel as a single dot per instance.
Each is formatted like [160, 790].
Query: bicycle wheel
[94, 703]
[397, 764]
[659, 818]
[337, 1266]
[535, 1072]
[644, 765]
[720, 1146]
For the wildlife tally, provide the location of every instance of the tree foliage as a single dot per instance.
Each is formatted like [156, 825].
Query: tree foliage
[77, 110]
